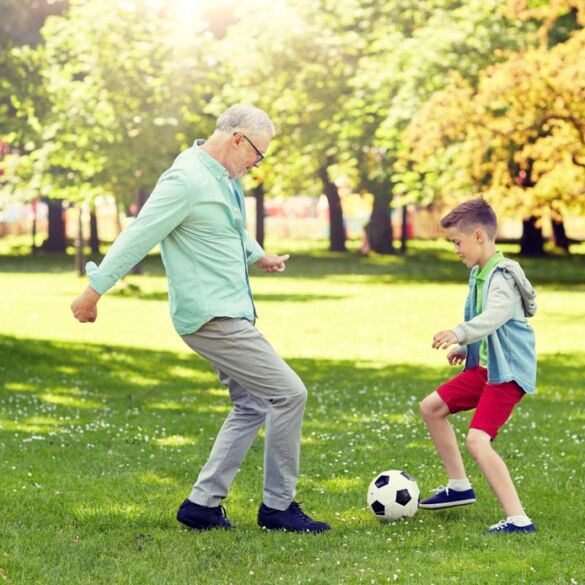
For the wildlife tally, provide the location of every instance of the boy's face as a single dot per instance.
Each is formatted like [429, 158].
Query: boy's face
[468, 244]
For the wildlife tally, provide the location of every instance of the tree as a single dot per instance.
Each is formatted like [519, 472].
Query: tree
[115, 74]
[297, 69]
[22, 20]
[24, 101]
[518, 137]
[409, 52]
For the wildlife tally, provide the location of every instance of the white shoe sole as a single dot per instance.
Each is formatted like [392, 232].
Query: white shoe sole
[447, 505]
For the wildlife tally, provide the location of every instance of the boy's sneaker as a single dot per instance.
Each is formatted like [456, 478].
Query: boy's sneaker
[201, 517]
[505, 526]
[448, 498]
[293, 519]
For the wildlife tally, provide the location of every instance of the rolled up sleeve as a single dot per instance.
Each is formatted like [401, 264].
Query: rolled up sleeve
[164, 210]
[253, 249]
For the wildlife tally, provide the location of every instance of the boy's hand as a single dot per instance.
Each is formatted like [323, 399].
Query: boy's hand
[455, 357]
[444, 339]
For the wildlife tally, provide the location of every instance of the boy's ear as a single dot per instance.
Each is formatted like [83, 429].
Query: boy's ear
[480, 236]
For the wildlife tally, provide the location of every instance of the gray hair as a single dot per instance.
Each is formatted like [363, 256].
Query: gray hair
[245, 118]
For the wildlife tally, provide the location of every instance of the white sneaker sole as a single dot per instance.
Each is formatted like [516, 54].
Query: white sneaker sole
[447, 504]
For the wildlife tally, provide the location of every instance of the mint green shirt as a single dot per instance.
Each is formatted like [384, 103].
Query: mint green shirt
[479, 284]
[197, 214]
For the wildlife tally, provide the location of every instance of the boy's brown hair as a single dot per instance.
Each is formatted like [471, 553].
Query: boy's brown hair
[472, 213]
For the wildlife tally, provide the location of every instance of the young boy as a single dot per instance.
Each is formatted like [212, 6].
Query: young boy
[497, 345]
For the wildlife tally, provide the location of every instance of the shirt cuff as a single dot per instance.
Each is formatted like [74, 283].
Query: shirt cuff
[460, 334]
[99, 283]
[256, 253]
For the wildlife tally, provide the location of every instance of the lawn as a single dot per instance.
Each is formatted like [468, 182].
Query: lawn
[103, 428]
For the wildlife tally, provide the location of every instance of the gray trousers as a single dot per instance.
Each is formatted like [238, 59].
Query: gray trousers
[263, 390]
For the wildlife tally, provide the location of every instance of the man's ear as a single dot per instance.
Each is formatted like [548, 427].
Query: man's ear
[236, 139]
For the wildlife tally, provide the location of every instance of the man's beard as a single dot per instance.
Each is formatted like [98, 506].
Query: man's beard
[239, 175]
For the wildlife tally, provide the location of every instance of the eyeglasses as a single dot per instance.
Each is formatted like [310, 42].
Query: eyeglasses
[260, 156]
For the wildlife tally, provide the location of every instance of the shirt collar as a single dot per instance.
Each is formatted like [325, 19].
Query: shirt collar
[216, 168]
[489, 265]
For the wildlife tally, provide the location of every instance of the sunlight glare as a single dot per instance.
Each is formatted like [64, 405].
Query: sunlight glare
[187, 10]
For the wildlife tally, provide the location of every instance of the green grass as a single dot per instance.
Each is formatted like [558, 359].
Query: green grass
[103, 428]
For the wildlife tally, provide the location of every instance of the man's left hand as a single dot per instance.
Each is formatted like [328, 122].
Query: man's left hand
[272, 263]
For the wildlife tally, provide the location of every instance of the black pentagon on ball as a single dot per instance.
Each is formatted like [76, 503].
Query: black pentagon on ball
[378, 508]
[404, 474]
[403, 497]
[382, 480]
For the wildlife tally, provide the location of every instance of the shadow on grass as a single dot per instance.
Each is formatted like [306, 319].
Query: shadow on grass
[87, 378]
[120, 426]
[132, 291]
[425, 262]
[100, 444]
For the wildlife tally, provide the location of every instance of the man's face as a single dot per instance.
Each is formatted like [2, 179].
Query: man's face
[467, 244]
[247, 151]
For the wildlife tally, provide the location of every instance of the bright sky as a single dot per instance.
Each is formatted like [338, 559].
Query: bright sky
[219, 12]
[190, 9]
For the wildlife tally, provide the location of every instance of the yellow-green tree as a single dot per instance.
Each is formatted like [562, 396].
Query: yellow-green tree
[518, 137]
[407, 51]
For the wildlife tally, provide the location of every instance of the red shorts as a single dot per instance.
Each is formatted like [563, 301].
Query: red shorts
[493, 403]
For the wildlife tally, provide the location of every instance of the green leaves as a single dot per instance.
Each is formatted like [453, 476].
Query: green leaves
[114, 83]
[423, 98]
[519, 134]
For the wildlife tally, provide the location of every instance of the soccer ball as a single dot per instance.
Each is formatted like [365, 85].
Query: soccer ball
[392, 495]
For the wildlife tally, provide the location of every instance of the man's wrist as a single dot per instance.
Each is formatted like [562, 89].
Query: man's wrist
[91, 294]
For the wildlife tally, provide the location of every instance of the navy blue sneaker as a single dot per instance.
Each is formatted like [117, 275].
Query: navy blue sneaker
[505, 526]
[293, 519]
[448, 498]
[201, 517]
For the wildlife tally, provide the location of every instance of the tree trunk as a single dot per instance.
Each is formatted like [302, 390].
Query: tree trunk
[94, 239]
[259, 195]
[337, 230]
[140, 197]
[56, 240]
[559, 235]
[531, 242]
[79, 243]
[379, 228]
[404, 233]
[120, 209]
[34, 204]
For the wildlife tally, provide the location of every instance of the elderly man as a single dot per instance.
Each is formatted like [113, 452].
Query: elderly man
[197, 213]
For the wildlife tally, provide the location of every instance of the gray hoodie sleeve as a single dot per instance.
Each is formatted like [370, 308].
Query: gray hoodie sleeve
[502, 300]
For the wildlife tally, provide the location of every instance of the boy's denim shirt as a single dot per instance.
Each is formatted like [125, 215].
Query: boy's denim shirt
[511, 347]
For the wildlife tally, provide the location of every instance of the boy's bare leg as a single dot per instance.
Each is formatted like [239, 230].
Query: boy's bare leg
[495, 471]
[434, 412]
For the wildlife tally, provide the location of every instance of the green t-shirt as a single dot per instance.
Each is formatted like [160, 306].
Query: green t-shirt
[479, 284]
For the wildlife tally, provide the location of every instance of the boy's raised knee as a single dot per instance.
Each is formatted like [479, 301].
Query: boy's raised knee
[430, 407]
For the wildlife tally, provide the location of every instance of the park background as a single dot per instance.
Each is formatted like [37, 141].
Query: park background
[388, 113]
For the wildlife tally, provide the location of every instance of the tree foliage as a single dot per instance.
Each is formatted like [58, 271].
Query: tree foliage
[420, 100]
[115, 73]
[518, 136]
